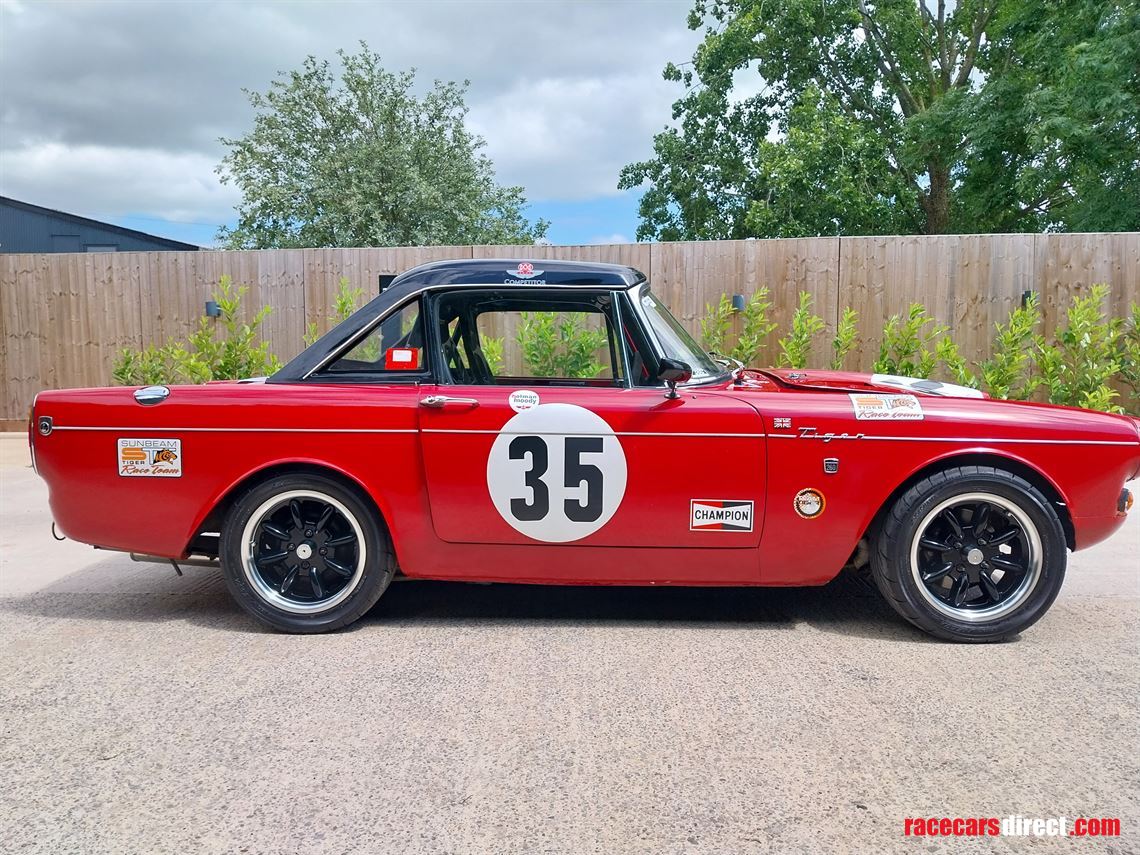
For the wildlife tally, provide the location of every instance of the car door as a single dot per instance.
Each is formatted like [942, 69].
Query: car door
[512, 457]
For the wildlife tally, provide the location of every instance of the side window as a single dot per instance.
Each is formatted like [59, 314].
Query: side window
[498, 339]
[395, 346]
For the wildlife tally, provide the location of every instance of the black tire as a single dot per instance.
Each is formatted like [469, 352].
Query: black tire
[909, 565]
[294, 605]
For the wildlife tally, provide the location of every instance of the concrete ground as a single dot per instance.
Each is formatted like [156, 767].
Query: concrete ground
[141, 712]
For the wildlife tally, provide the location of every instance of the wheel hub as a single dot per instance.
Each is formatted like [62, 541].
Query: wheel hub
[303, 551]
[976, 556]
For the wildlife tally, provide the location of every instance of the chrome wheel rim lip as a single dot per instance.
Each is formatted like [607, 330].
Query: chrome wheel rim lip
[1016, 597]
[267, 592]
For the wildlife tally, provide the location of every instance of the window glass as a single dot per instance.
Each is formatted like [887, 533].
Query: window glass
[394, 345]
[674, 340]
[505, 339]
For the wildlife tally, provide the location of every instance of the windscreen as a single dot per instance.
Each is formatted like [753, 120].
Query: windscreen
[674, 340]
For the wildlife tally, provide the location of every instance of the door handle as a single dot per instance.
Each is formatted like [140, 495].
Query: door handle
[441, 401]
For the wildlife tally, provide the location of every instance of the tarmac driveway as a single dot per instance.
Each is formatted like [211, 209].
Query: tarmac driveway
[142, 712]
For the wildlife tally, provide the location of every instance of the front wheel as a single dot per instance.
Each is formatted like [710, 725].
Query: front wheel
[304, 554]
[971, 554]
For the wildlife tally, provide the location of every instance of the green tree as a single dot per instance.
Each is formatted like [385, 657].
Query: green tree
[886, 116]
[360, 160]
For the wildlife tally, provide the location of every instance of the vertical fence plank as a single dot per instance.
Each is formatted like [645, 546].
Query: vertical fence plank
[1069, 265]
[967, 282]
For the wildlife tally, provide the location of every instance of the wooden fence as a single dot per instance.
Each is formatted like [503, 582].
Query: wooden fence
[64, 318]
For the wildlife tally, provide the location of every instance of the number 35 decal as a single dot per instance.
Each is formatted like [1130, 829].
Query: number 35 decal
[556, 473]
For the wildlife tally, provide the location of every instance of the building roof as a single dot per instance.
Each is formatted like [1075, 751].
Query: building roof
[87, 221]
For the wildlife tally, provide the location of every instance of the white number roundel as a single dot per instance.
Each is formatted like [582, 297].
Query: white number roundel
[556, 473]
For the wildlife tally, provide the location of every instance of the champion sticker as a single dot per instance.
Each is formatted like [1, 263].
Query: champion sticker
[809, 503]
[522, 399]
[720, 515]
[150, 458]
[885, 408]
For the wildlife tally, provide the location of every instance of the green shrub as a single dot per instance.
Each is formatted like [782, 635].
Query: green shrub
[846, 337]
[558, 344]
[238, 353]
[909, 344]
[756, 327]
[795, 350]
[150, 366]
[716, 325]
[1129, 347]
[948, 353]
[1009, 372]
[493, 352]
[1078, 367]
[346, 302]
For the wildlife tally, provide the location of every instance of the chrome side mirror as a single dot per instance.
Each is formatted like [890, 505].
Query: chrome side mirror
[673, 371]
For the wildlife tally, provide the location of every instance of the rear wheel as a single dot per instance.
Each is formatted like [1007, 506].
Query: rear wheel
[971, 554]
[304, 554]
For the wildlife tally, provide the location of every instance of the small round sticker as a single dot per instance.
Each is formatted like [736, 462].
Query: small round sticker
[522, 399]
[556, 472]
[809, 503]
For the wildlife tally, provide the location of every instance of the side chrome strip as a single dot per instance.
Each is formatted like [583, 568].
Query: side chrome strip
[819, 437]
[823, 437]
[615, 433]
[152, 429]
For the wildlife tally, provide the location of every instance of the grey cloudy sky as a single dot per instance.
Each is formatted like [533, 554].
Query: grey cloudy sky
[114, 109]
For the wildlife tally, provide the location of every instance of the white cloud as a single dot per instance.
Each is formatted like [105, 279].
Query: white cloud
[568, 138]
[105, 181]
[605, 239]
[116, 107]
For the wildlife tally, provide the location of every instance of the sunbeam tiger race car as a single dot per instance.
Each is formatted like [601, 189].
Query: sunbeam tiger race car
[551, 422]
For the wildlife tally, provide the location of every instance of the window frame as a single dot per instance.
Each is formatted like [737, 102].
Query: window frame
[610, 313]
[378, 377]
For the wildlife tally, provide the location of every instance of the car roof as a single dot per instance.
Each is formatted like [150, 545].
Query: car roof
[515, 271]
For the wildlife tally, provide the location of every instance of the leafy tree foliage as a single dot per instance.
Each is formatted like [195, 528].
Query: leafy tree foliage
[362, 161]
[888, 116]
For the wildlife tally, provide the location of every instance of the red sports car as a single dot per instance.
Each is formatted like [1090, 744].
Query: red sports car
[551, 422]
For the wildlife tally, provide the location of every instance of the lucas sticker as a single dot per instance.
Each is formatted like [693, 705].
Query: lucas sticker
[720, 515]
[150, 458]
[886, 408]
[556, 473]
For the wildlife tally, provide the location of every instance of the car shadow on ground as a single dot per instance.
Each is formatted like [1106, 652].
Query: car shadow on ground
[116, 589]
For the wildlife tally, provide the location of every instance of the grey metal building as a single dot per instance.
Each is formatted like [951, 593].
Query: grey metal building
[30, 228]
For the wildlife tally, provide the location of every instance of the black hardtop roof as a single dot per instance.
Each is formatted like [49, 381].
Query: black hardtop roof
[505, 271]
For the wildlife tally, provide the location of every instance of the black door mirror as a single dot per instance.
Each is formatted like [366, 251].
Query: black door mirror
[673, 371]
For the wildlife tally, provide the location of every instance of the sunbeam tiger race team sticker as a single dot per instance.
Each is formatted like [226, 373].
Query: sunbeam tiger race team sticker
[150, 458]
[887, 408]
[556, 473]
[720, 515]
